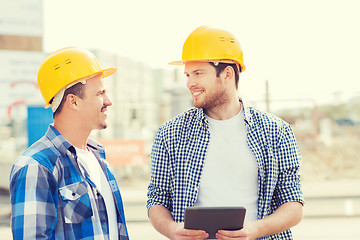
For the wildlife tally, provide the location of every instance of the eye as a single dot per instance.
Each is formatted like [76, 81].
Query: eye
[101, 93]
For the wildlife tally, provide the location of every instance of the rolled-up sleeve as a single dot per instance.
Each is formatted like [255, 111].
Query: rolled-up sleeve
[288, 187]
[159, 190]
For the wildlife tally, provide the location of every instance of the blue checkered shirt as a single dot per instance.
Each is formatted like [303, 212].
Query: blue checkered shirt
[52, 199]
[180, 149]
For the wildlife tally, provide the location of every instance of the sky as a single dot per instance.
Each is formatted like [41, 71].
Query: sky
[307, 50]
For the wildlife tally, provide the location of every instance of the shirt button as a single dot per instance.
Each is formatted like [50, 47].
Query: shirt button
[73, 194]
[103, 220]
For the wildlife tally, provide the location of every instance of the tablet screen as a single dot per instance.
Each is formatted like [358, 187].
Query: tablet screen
[212, 219]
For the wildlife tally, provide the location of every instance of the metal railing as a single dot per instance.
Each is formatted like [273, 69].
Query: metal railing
[332, 206]
[315, 207]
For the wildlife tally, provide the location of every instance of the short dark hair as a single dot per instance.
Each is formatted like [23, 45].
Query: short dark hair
[77, 90]
[221, 66]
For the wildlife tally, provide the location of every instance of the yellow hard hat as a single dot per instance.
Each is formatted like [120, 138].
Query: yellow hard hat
[211, 45]
[66, 66]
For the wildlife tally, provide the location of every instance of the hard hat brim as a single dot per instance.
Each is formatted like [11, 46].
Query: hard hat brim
[177, 63]
[108, 71]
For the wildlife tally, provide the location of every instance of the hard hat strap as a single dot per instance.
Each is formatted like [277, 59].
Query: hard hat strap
[55, 103]
[216, 63]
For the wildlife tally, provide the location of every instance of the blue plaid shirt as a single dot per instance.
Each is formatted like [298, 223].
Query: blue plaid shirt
[50, 197]
[179, 151]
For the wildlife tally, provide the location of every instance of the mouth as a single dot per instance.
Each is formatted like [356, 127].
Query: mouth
[103, 110]
[196, 93]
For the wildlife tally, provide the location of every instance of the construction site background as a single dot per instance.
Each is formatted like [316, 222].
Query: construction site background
[326, 124]
[330, 176]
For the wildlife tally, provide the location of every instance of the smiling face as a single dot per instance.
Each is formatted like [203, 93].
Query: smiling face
[94, 105]
[207, 90]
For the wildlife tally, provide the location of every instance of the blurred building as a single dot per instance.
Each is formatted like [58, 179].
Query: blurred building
[174, 93]
[133, 93]
[21, 30]
[180, 99]
[143, 98]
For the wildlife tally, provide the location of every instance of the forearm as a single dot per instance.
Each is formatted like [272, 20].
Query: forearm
[286, 216]
[162, 220]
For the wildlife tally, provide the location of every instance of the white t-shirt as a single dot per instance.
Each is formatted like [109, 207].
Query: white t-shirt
[88, 160]
[230, 171]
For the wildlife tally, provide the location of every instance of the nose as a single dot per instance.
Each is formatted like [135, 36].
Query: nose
[107, 101]
[190, 82]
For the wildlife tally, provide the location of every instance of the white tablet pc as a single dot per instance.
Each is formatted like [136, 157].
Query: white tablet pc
[212, 219]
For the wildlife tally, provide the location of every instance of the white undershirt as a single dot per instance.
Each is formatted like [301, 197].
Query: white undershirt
[230, 171]
[88, 160]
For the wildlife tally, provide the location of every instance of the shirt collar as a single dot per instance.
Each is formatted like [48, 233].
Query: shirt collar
[200, 115]
[95, 145]
[63, 145]
[247, 113]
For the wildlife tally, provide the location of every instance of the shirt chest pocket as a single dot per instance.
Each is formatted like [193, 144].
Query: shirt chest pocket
[75, 202]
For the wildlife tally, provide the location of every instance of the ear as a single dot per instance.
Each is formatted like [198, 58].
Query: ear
[229, 73]
[72, 101]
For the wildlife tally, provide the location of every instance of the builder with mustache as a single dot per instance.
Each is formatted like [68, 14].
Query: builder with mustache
[62, 187]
